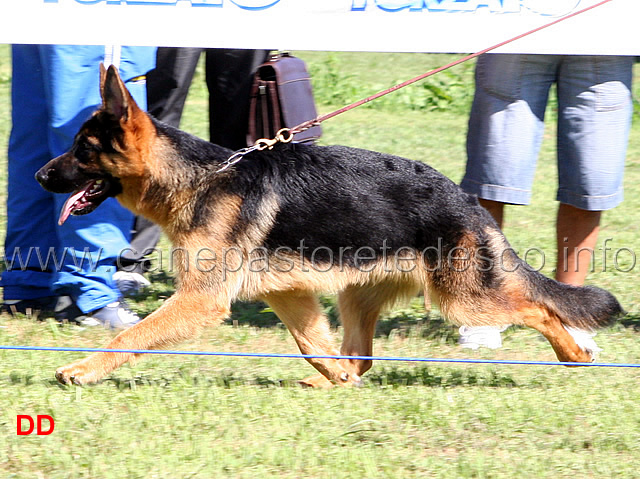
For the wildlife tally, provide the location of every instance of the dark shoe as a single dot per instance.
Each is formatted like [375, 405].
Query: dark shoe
[67, 311]
[30, 307]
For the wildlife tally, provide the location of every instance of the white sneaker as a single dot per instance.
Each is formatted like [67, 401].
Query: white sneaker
[474, 337]
[116, 315]
[130, 283]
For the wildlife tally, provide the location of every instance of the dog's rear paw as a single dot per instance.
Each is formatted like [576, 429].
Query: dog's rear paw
[584, 339]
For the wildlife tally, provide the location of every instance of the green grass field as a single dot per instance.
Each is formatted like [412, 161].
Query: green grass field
[209, 417]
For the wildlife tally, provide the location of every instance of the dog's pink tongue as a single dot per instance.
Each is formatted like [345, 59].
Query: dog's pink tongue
[68, 205]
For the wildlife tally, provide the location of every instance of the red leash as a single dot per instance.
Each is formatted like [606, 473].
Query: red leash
[320, 118]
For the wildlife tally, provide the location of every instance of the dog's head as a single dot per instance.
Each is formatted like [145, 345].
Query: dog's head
[106, 151]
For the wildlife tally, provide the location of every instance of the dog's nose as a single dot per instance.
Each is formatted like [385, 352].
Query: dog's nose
[42, 175]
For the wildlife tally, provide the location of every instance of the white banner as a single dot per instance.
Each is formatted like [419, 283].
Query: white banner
[339, 25]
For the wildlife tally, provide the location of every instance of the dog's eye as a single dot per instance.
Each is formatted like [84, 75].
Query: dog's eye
[85, 152]
[83, 155]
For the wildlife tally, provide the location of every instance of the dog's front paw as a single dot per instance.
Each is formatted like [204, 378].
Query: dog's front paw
[78, 373]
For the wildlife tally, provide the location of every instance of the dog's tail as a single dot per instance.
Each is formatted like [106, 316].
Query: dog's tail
[580, 307]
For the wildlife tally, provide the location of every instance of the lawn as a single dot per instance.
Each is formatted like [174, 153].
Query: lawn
[205, 417]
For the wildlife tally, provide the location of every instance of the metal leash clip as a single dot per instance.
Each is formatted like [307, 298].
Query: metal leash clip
[282, 136]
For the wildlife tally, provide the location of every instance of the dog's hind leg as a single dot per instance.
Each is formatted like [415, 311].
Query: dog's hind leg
[301, 313]
[181, 317]
[550, 326]
[509, 306]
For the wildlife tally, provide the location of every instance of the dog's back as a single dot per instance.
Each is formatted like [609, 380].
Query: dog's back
[338, 197]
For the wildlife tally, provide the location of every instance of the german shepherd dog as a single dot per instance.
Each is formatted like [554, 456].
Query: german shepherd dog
[286, 224]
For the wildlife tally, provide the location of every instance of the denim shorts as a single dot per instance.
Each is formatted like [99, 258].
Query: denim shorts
[507, 123]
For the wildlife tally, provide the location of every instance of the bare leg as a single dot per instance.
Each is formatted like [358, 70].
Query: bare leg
[577, 234]
[496, 209]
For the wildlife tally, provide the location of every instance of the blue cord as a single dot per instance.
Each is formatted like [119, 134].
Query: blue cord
[312, 356]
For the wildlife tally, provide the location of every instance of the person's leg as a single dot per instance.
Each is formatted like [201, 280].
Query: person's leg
[594, 118]
[93, 242]
[577, 234]
[229, 79]
[506, 126]
[30, 237]
[168, 83]
[90, 243]
[595, 107]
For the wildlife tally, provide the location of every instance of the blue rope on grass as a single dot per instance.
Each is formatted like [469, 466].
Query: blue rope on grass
[312, 356]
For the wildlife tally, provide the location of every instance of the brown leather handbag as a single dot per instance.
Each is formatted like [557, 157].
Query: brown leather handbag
[281, 97]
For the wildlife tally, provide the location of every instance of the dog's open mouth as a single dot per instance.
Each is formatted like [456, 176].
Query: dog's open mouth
[85, 199]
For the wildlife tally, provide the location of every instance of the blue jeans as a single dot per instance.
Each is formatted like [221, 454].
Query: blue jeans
[507, 122]
[54, 90]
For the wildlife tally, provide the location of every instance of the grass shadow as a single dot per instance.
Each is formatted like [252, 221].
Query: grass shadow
[224, 380]
[430, 327]
[383, 377]
[424, 376]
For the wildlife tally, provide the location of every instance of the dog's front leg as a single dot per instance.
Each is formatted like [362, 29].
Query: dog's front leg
[180, 318]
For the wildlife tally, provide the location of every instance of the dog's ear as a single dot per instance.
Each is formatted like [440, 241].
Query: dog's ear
[116, 98]
[103, 78]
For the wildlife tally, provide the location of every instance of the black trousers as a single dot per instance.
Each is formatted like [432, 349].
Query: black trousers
[229, 75]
